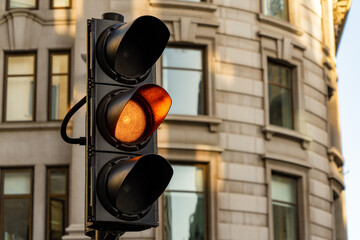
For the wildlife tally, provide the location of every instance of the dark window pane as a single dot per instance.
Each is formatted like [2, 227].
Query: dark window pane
[280, 102]
[284, 221]
[16, 219]
[279, 75]
[57, 217]
[184, 216]
[185, 89]
[182, 58]
[277, 9]
[57, 182]
[187, 178]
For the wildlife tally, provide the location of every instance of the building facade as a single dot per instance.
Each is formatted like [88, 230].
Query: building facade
[253, 133]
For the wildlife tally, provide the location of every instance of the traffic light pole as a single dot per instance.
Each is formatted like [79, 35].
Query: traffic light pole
[102, 235]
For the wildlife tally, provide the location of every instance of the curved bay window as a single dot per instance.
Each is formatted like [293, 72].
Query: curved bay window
[185, 202]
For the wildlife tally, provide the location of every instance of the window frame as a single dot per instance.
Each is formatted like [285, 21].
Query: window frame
[20, 196]
[206, 192]
[49, 196]
[298, 171]
[292, 89]
[281, 19]
[296, 205]
[7, 54]
[50, 75]
[204, 85]
[52, 5]
[33, 8]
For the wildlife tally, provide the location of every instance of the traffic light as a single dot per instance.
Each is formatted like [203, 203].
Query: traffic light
[124, 175]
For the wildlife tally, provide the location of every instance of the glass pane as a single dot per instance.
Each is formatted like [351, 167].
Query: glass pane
[22, 3]
[185, 89]
[57, 182]
[16, 219]
[279, 74]
[57, 217]
[60, 63]
[184, 216]
[182, 58]
[17, 183]
[280, 106]
[19, 98]
[187, 178]
[277, 9]
[284, 222]
[59, 97]
[20, 65]
[61, 3]
[283, 189]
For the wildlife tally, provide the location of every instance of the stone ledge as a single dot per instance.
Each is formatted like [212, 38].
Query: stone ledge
[30, 126]
[202, 119]
[207, 7]
[280, 24]
[269, 131]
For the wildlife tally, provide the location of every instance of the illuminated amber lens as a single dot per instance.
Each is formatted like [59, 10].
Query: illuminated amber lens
[131, 123]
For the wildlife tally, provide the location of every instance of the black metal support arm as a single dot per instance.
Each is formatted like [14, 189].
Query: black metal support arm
[73, 110]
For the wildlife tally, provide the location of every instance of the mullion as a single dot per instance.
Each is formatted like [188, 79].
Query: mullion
[280, 86]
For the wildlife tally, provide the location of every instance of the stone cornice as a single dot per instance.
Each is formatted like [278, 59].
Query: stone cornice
[340, 11]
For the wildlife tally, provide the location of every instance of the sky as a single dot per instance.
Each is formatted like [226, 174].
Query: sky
[348, 69]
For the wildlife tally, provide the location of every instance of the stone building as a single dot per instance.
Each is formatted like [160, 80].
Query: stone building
[253, 133]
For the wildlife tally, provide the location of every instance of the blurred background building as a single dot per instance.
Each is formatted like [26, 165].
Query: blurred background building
[253, 133]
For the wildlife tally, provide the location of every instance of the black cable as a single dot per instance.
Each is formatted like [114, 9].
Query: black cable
[73, 110]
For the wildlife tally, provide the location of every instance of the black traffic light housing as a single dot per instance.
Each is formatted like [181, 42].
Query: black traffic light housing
[124, 175]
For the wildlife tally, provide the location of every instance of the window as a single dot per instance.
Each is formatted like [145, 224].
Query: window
[16, 204]
[19, 90]
[59, 81]
[284, 207]
[57, 202]
[28, 4]
[60, 4]
[183, 78]
[277, 9]
[185, 204]
[280, 95]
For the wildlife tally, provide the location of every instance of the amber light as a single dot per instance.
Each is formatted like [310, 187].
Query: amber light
[159, 102]
[131, 124]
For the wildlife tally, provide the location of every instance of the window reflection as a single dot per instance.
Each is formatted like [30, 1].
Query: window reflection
[183, 78]
[284, 204]
[184, 200]
[280, 95]
[59, 82]
[16, 199]
[57, 202]
[20, 78]
[22, 4]
[277, 9]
